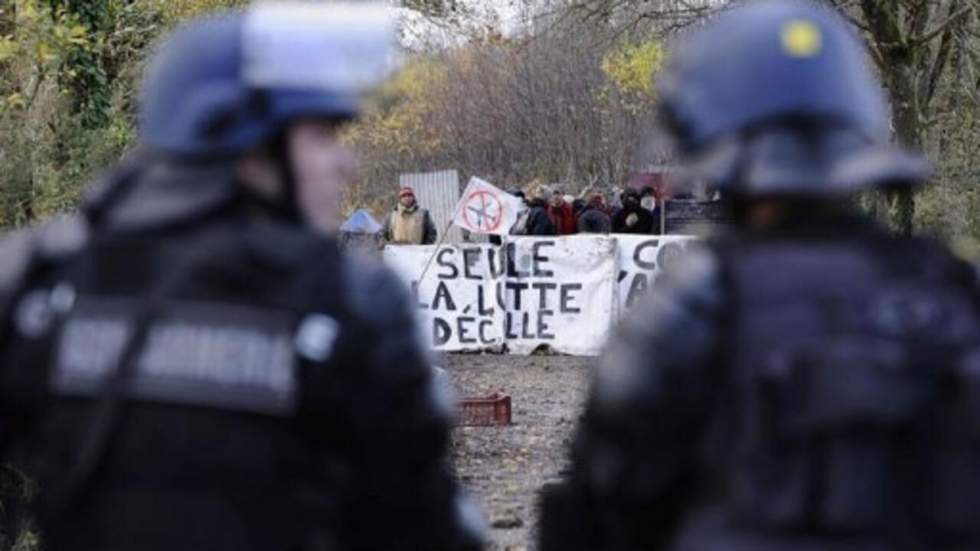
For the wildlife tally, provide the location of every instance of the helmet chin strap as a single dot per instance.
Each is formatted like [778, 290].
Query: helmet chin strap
[288, 202]
[284, 207]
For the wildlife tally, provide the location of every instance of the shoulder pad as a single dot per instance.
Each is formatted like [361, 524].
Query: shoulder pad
[15, 257]
[54, 239]
[62, 235]
[381, 301]
[673, 330]
[694, 281]
[375, 293]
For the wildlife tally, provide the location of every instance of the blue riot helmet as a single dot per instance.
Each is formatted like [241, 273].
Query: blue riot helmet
[224, 84]
[777, 97]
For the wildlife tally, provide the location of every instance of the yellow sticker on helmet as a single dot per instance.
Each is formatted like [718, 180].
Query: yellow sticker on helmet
[801, 38]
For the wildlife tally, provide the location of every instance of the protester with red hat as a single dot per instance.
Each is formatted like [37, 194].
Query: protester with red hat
[409, 224]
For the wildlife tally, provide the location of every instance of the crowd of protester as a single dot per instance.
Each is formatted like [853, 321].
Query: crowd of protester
[550, 212]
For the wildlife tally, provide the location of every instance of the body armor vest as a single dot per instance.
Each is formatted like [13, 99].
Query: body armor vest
[856, 378]
[227, 405]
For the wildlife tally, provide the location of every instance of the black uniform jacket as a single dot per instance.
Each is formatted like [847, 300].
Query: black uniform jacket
[810, 388]
[278, 398]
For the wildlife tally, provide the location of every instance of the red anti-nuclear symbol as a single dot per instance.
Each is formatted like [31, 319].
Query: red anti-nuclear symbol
[485, 208]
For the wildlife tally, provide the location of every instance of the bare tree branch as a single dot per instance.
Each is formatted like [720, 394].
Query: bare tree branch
[940, 28]
[940, 63]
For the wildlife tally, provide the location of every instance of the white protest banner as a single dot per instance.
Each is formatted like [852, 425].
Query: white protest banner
[641, 260]
[563, 292]
[484, 208]
[560, 292]
[457, 299]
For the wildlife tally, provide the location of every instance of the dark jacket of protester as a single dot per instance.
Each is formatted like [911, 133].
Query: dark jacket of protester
[632, 218]
[594, 216]
[185, 366]
[809, 380]
[538, 222]
[593, 219]
[562, 218]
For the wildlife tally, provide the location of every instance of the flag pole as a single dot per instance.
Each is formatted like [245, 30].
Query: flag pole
[442, 237]
[456, 212]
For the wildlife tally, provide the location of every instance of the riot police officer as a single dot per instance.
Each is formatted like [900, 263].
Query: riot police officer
[191, 363]
[809, 380]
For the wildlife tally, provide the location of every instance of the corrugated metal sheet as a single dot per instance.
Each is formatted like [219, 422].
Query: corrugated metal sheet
[439, 192]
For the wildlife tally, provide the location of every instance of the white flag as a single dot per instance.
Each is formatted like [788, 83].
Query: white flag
[484, 208]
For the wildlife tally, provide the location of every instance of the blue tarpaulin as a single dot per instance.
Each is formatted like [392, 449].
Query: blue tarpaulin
[361, 222]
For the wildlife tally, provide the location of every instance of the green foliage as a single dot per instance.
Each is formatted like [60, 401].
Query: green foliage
[69, 73]
[564, 107]
[27, 540]
[37, 41]
[82, 74]
[174, 11]
[631, 67]
[570, 105]
[16, 490]
[397, 123]
[404, 105]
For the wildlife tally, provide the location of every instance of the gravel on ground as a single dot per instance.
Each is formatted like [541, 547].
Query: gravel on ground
[505, 467]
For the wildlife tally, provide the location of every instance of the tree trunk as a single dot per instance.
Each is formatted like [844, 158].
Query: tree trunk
[909, 130]
[898, 63]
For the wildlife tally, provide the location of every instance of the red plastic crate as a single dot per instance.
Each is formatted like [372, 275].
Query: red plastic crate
[485, 411]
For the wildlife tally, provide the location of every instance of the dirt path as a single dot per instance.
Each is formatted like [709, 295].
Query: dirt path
[503, 467]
